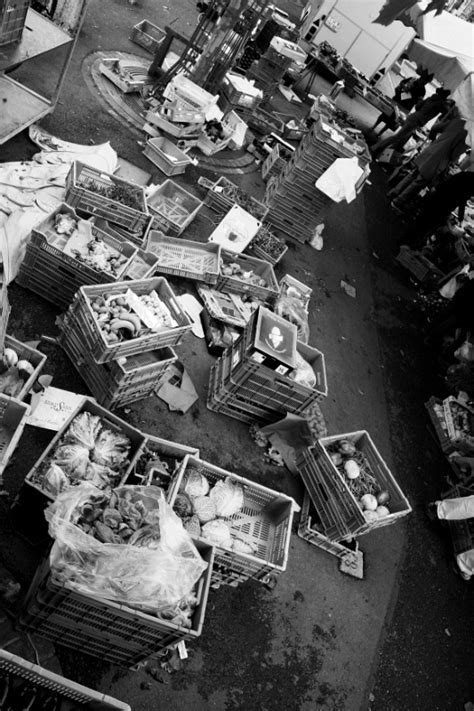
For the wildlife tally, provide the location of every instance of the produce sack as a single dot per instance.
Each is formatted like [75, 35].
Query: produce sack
[124, 544]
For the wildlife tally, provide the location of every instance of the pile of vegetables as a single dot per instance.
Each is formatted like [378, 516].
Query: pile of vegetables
[156, 468]
[207, 511]
[100, 256]
[233, 269]
[357, 473]
[268, 243]
[126, 194]
[118, 321]
[244, 200]
[123, 517]
[14, 372]
[97, 253]
[88, 451]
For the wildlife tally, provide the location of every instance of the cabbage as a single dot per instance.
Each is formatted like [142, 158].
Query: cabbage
[204, 508]
[228, 497]
[55, 480]
[111, 448]
[73, 460]
[193, 527]
[83, 429]
[240, 546]
[217, 532]
[195, 483]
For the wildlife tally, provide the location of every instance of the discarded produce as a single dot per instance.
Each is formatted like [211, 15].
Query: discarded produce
[14, 373]
[117, 318]
[267, 242]
[125, 544]
[230, 268]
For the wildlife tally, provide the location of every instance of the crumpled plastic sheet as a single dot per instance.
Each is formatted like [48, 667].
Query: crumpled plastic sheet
[29, 190]
[149, 578]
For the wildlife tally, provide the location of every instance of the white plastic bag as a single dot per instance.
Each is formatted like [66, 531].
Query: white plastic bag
[340, 179]
[151, 578]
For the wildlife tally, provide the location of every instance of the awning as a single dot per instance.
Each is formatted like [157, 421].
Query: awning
[446, 48]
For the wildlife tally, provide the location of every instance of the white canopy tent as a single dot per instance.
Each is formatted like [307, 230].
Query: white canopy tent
[446, 47]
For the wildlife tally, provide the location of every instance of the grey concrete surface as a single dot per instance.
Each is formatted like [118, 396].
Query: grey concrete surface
[319, 640]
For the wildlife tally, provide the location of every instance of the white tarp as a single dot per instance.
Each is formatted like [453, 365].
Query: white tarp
[446, 48]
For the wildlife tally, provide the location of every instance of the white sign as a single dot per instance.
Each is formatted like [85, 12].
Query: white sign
[52, 407]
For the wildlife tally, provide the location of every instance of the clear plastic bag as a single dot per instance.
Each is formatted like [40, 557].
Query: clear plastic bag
[293, 310]
[155, 569]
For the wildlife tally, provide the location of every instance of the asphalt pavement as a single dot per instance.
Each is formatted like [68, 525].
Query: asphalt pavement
[400, 639]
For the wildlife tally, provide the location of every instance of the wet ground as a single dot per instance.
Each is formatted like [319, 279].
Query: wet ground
[398, 640]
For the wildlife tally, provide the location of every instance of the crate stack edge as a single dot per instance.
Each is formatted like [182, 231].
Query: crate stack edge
[294, 203]
[245, 387]
[113, 631]
[121, 373]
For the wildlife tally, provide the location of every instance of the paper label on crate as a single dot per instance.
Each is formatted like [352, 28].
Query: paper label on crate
[51, 408]
[182, 651]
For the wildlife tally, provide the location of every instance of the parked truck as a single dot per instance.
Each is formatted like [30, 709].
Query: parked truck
[348, 25]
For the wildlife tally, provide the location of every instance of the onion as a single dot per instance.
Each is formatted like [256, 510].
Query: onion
[352, 469]
[382, 511]
[369, 502]
[370, 516]
[383, 497]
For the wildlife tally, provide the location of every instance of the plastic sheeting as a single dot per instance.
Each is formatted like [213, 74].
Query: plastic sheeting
[29, 190]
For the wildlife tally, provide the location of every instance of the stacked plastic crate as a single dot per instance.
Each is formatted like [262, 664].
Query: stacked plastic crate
[115, 631]
[128, 367]
[294, 203]
[269, 71]
[254, 380]
[181, 112]
[53, 268]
